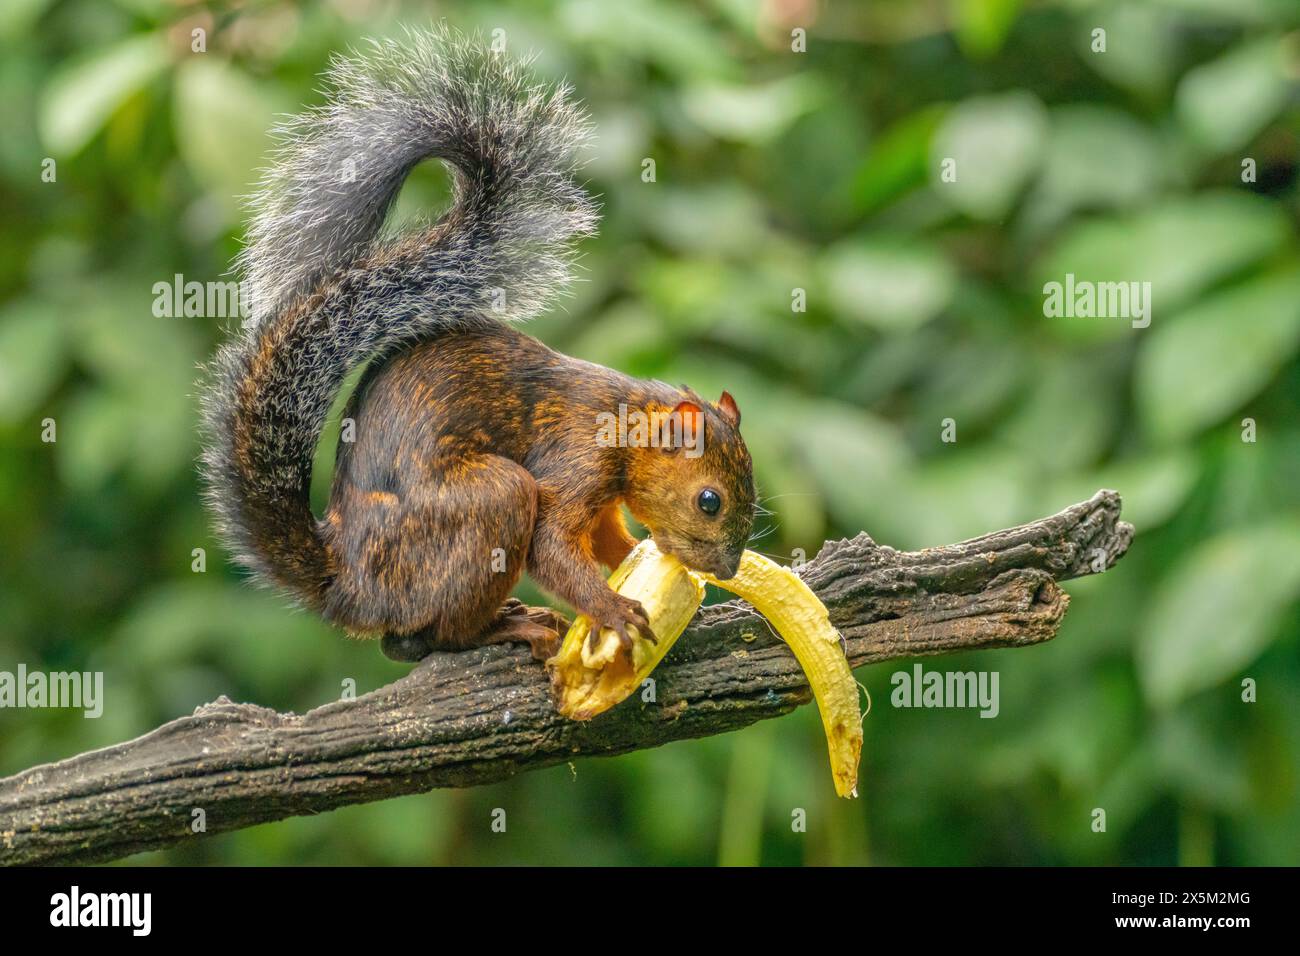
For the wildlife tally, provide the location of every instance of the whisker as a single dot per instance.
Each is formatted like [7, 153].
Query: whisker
[772, 555]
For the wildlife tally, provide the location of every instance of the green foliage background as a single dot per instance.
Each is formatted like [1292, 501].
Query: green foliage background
[775, 170]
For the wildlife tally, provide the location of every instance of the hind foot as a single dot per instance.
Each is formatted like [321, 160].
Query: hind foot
[538, 627]
[405, 648]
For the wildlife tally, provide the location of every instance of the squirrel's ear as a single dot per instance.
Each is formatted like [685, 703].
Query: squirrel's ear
[691, 416]
[730, 410]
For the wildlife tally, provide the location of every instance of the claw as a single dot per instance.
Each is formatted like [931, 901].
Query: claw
[624, 638]
[618, 618]
[646, 633]
[641, 619]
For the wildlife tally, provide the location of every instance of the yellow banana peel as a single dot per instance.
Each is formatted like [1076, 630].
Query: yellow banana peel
[586, 681]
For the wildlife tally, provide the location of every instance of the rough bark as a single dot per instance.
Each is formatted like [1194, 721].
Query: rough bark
[460, 719]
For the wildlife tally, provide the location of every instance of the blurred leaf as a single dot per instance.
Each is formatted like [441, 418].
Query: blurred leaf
[740, 836]
[972, 381]
[427, 190]
[1069, 415]
[1052, 740]
[1205, 769]
[136, 417]
[960, 495]
[809, 171]
[1230, 346]
[1217, 610]
[1097, 157]
[1153, 487]
[851, 453]
[413, 830]
[672, 777]
[118, 338]
[791, 492]
[143, 431]
[1181, 247]
[1142, 42]
[1239, 11]
[1133, 785]
[996, 142]
[17, 16]
[888, 284]
[722, 219]
[1226, 102]
[684, 297]
[83, 94]
[982, 25]
[94, 438]
[898, 161]
[31, 358]
[222, 118]
[672, 36]
[751, 114]
[192, 616]
[894, 361]
[153, 9]
[624, 142]
[626, 337]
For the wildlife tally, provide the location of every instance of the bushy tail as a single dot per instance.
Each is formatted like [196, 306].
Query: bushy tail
[327, 293]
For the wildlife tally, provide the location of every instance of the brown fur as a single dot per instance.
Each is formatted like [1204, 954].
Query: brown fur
[487, 439]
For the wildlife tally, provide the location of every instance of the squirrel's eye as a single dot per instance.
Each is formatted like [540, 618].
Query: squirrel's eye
[709, 501]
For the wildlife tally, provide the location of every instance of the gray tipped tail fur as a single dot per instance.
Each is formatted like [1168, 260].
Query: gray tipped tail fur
[328, 292]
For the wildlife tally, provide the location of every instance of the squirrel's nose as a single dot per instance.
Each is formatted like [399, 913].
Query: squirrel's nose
[728, 566]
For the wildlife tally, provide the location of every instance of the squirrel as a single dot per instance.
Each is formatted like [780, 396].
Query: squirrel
[476, 452]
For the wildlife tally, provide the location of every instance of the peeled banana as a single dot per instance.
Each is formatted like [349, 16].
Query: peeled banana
[587, 681]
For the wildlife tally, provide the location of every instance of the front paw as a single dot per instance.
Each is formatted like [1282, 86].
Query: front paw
[620, 613]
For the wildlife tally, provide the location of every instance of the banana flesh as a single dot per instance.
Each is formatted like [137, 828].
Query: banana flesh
[586, 681]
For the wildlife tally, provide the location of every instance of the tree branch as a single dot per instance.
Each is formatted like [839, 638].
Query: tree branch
[460, 719]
